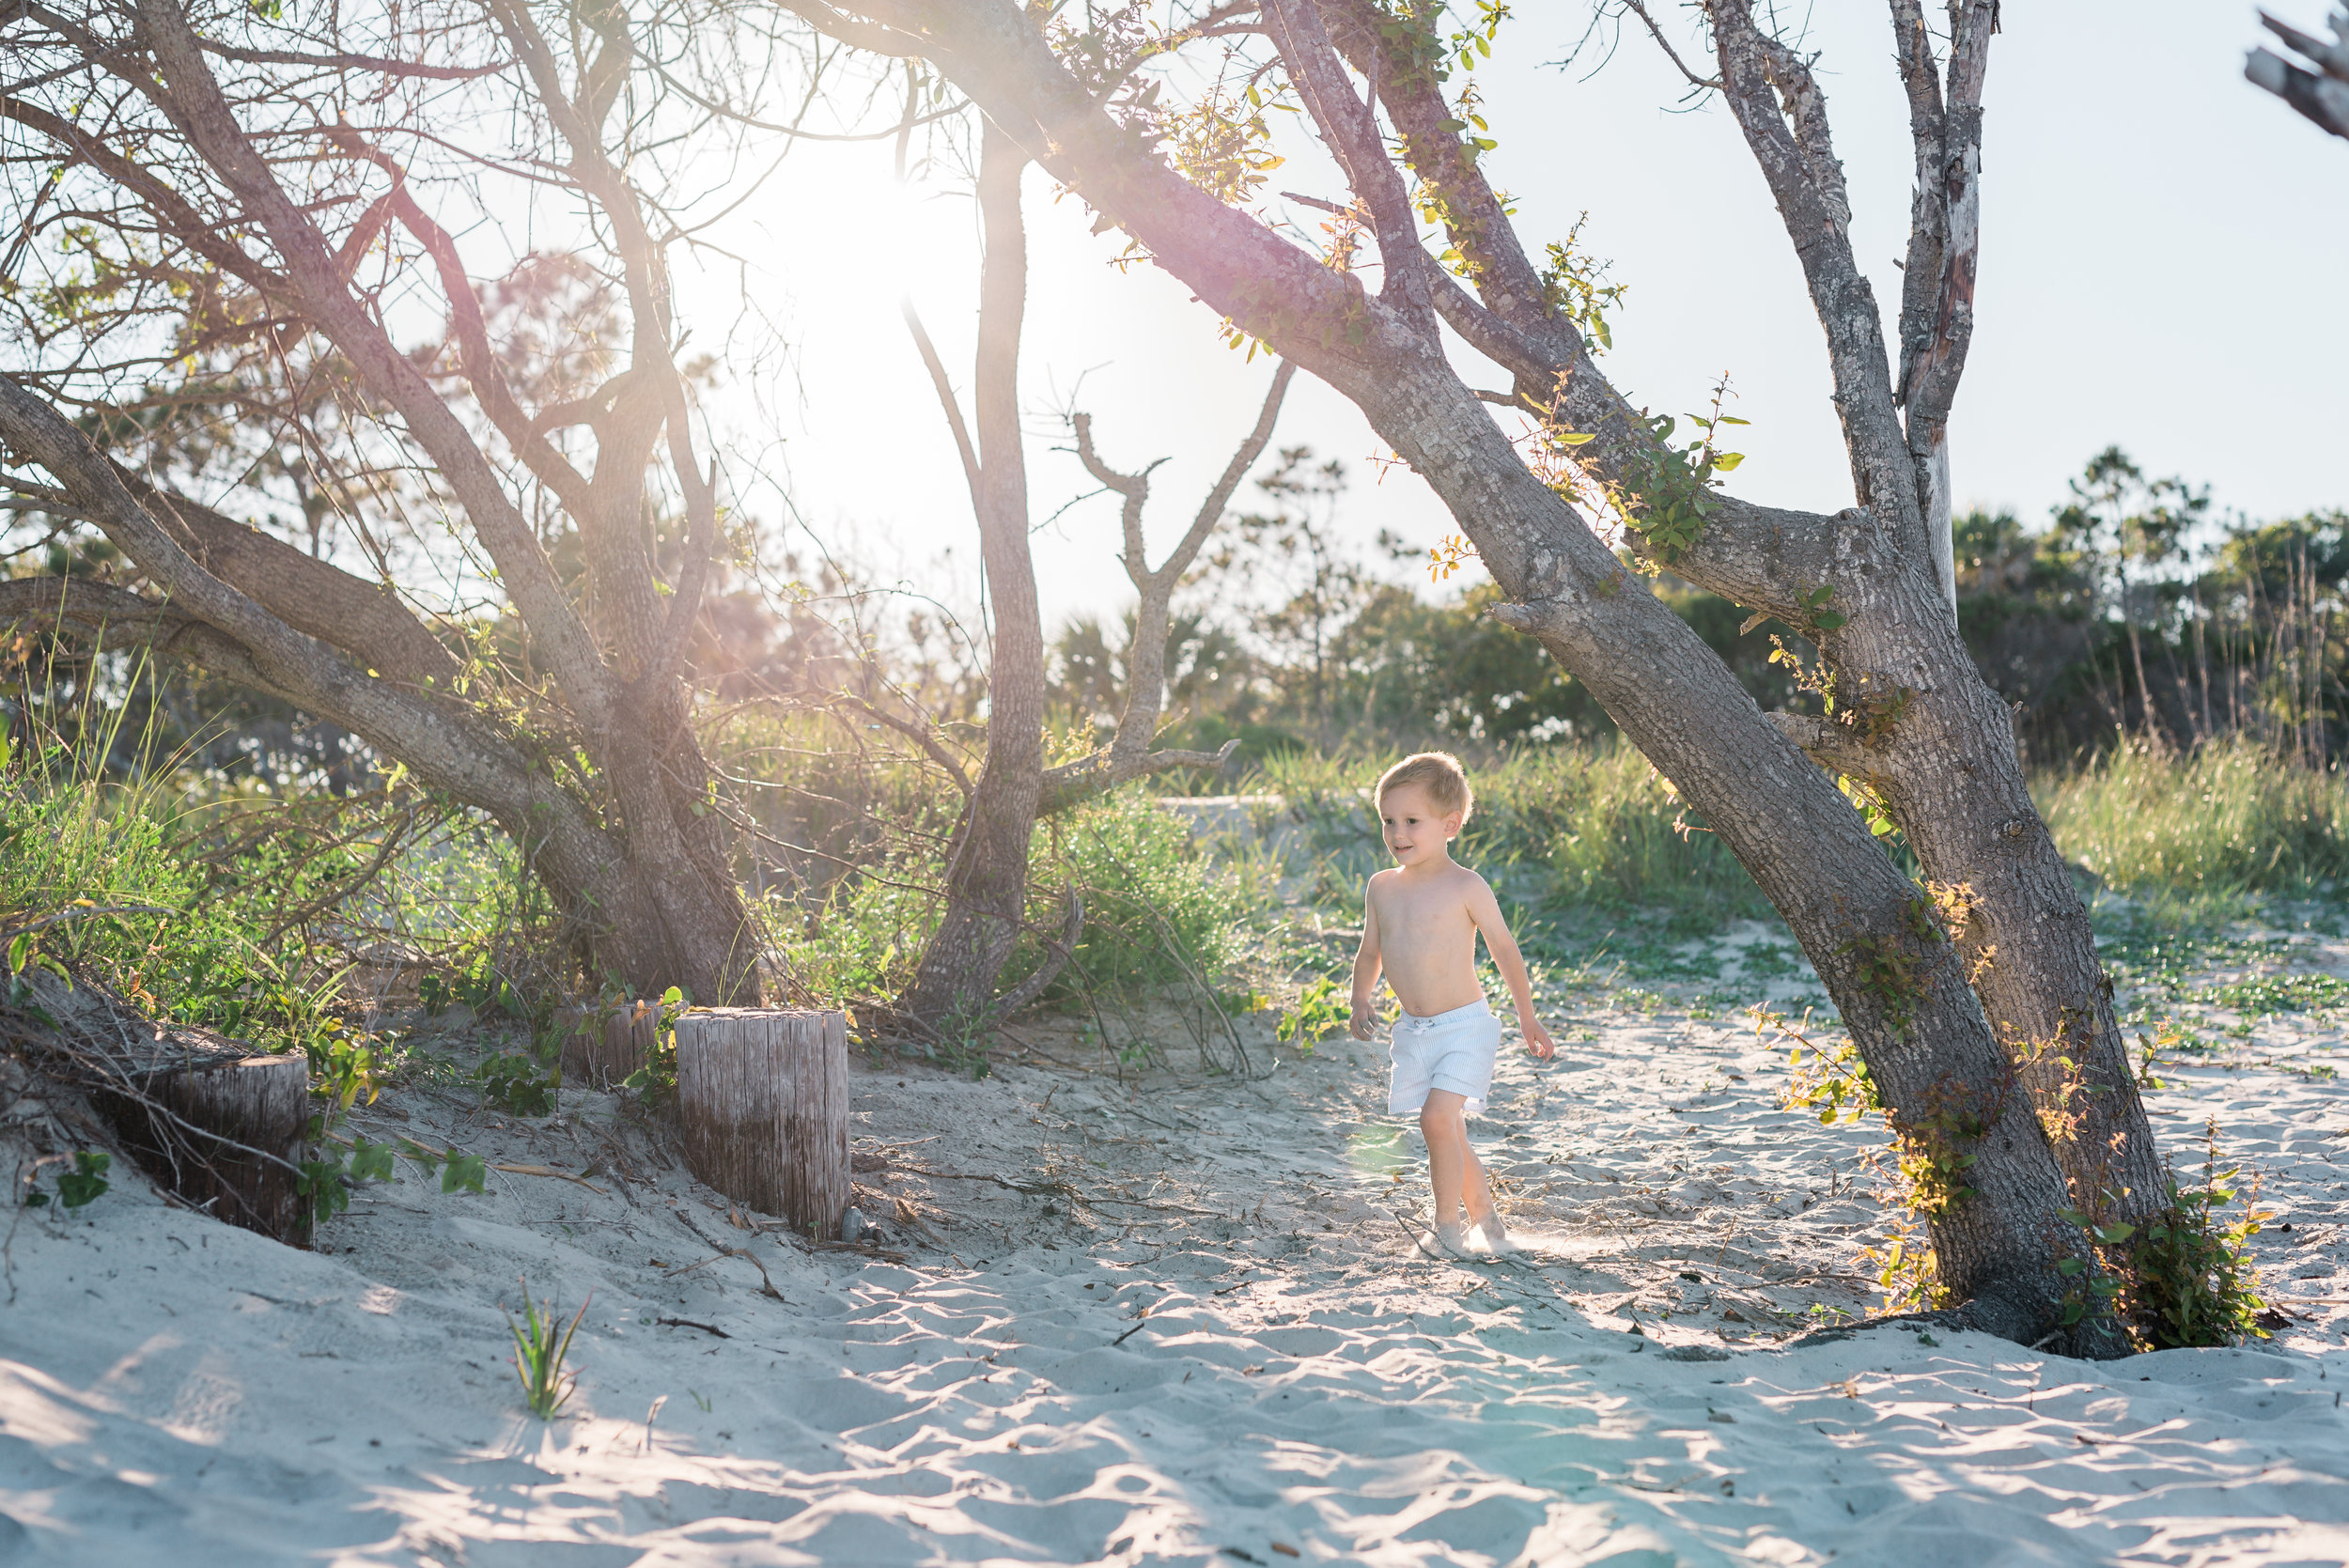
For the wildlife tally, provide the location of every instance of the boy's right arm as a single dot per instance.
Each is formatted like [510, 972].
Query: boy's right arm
[1366, 967]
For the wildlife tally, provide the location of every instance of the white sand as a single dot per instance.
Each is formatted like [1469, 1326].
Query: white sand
[176, 1392]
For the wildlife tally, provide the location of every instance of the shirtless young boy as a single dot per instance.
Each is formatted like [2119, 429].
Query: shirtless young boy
[1419, 926]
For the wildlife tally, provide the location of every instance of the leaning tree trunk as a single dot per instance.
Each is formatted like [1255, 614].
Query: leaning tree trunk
[952, 989]
[1916, 720]
[1898, 983]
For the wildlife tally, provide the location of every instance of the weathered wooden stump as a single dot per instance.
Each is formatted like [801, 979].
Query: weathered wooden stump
[763, 1097]
[184, 1126]
[209, 1121]
[602, 1055]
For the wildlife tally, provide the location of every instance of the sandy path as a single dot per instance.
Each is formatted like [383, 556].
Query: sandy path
[172, 1391]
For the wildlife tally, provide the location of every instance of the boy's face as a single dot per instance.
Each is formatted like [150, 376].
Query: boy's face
[1416, 830]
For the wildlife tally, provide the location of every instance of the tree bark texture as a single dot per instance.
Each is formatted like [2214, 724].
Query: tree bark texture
[632, 853]
[763, 1101]
[1967, 1070]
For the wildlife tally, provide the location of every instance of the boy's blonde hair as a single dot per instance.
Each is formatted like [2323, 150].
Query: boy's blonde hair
[1440, 774]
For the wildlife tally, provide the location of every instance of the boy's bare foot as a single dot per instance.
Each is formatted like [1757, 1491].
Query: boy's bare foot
[1494, 1236]
[1449, 1241]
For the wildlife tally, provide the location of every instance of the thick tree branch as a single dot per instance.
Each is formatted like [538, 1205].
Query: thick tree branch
[872, 37]
[1072, 783]
[1504, 277]
[1831, 745]
[1806, 116]
[1232, 260]
[1351, 128]
[1798, 164]
[1510, 317]
[1056, 956]
[1928, 220]
[313, 596]
[105, 617]
[282, 660]
[1945, 238]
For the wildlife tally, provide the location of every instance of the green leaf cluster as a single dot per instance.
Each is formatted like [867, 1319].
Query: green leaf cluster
[658, 1077]
[1574, 286]
[460, 1173]
[1667, 492]
[82, 1183]
[1321, 1011]
[516, 1081]
[2185, 1276]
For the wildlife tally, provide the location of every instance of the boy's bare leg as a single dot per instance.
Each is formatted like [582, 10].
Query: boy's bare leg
[1458, 1176]
[1477, 1197]
[1476, 1192]
[1452, 1167]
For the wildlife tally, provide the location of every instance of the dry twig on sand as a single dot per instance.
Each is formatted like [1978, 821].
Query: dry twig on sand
[551, 1170]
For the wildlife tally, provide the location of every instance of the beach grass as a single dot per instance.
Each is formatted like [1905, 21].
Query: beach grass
[2231, 821]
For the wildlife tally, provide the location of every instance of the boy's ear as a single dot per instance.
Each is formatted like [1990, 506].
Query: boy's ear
[1453, 822]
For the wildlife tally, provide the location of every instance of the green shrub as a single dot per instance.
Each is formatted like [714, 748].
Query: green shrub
[2191, 1281]
[1159, 910]
[860, 936]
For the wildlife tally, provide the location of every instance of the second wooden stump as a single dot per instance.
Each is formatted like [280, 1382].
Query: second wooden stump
[603, 1045]
[763, 1096]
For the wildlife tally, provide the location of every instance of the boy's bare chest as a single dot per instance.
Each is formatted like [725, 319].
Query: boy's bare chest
[1412, 915]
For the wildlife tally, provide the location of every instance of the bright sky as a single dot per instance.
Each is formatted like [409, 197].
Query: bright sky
[2162, 256]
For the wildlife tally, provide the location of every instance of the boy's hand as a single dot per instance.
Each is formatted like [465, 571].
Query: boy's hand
[1365, 1021]
[1537, 1040]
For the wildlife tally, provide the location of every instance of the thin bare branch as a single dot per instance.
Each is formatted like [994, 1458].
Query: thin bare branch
[924, 735]
[372, 64]
[1709, 84]
[946, 399]
[1127, 754]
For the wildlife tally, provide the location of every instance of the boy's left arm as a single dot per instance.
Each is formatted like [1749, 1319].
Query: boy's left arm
[1485, 910]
